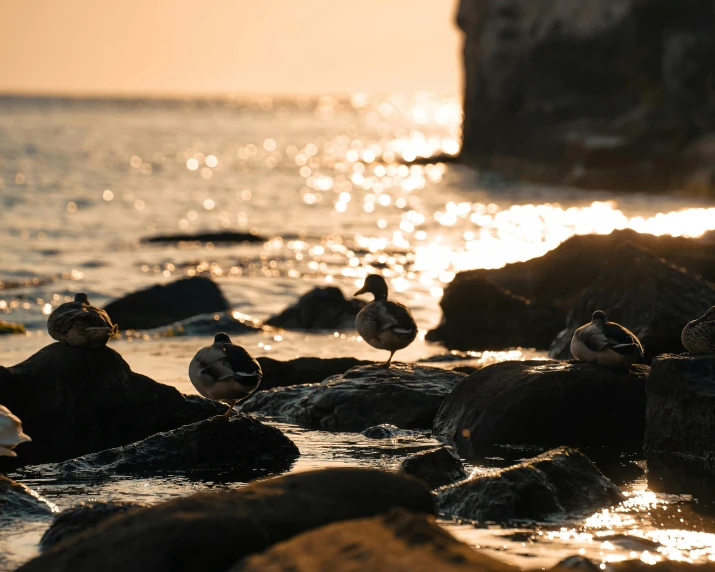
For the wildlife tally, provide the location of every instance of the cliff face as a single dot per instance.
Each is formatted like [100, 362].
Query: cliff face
[611, 93]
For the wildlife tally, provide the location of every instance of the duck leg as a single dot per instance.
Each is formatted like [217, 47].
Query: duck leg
[387, 363]
[232, 404]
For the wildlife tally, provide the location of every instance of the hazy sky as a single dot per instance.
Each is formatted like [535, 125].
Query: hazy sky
[228, 46]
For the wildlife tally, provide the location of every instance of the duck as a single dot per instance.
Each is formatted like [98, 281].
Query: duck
[11, 433]
[606, 343]
[384, 324]
[225, 372]
[698, 336]
[80, 324]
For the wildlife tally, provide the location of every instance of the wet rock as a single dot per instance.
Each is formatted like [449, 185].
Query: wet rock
[559, 482]
[278, 373]
[436, 467]
[11, 328]
[165, 304]
[213, 530]
[82, 517]
[578, 562]
[240, 447]
[645, 294]
[396, 541]
[209, 325]
[19, 501]
[222, 237]
[680, 416]
[384, 431]
[480, 315]
[546, 402]
[404, 395]
[74, 401]
[320, 309]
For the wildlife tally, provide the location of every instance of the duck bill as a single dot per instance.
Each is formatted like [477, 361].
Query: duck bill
[361, 291]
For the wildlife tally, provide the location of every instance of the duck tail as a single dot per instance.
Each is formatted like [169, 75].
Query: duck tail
[628, 349]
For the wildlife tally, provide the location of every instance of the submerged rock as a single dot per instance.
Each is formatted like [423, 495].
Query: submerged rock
[559, 482]
[220, 237]
[165, 304]
[578, 562]
[643, 293]
[546, 402]
[82, 517]
[320, 309]
[384, 431]
[480, 315]
[278, 373]
[11, 328]
[238, 446]
[680, 417]
[398, 541]
[213, 530]
[404, 395]
[436, 467]
[74, 401]
[211, 324]
[19, 501]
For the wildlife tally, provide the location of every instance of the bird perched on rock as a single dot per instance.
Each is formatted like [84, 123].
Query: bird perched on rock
[698, 336]
[80, 324]
[384, 324]
[606, 343]
[11, 433]
[225, 372]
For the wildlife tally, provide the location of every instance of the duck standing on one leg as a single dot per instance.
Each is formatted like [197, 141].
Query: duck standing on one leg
[606, 343]
[698, 336]
[80, 324]
[383, 324]
[11, 433]
[225, 372]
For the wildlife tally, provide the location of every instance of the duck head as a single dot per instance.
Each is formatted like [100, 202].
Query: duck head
[375, 285]
[599, 316]
[222, 338]
[82, 298]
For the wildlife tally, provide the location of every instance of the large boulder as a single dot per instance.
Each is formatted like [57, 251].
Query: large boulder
[165, 304]
[477, 314]
[74, 401]
[643, 293]
[240, 447]
[546, 403]
[394, 542]
[559, 482]
[212, 531]
[278, 373]
[608, 94]
[83, 516]
[19, 501]
[435, 467]
[323, 308]
[404, 395]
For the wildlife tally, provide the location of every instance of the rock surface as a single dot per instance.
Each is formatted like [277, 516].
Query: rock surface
[643, 293]
[547, 403]
[559, 482]
[396, 541]
[436, 467]
[83, 517]
[212, 531]
[320, 309]
[480, 315]
[404, 395]
[222, 237]
[211, 324]
[611, 94]
[278, 373]
[74, 401]
[19, 501]
[240, 447]
[11, 328]
[165, 304]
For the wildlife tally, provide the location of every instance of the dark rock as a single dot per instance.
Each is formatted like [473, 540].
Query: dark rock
[612, 95]
[303, 370]
[394, 542]
[436, 467]
[680, 416]
[404, 395]
[559, 482]
[480, 315]
[162, 305]
[74, 401]
[320, 309]
[240, 447]
[214, 237]
[384, 431]
[643, 293]
[82, 517]
[18, 501]
[11, 328]
[546, 402]
[211, 324]
[578, 562]
[212, 531]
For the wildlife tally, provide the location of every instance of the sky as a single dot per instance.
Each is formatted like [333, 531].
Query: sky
[202, 47]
